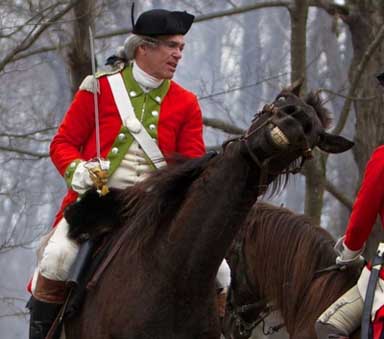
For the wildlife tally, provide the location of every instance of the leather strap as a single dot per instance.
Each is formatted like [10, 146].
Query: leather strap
[128, 118]
[377, 264]
[50, 291]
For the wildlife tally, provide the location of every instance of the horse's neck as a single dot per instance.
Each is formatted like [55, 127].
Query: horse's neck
[211, 215]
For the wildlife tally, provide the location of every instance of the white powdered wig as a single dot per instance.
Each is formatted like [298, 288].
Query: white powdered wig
[128, 50]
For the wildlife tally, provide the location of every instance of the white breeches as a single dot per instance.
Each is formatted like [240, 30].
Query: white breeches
[345, 313]
[60, 253]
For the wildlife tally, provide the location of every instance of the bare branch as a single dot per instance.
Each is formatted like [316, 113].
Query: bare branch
[201, 18]
[242, 9]
[29, 22]
[234, 89]
[223, 126]
[341, 197]
[325, 90]
[33, 35]
[356, 79]
[28, 134]
[330, 7]
[24, 152]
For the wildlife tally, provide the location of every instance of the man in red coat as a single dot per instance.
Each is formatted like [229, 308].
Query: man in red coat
[166, 114]
[344, 316]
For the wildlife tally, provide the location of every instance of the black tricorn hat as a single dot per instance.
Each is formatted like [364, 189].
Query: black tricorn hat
[380, 77]
[162, 22]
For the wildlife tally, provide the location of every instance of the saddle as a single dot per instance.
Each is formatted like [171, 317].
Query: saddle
[91, 256]
[93, 223]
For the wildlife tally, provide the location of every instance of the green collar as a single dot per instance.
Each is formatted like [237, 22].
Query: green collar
[157, 94]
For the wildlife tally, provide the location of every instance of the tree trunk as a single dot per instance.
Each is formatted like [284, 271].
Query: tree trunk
[299, 14]
[364, 20]
[79, 56]
[314, 170]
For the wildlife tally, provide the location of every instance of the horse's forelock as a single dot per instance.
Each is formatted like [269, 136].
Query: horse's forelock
[313, 99]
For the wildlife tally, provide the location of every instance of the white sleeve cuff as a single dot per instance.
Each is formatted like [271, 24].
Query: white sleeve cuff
[349, 254]
[81, 180]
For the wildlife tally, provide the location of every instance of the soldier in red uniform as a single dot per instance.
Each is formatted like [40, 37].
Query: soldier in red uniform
[344, 316]
[167, 114]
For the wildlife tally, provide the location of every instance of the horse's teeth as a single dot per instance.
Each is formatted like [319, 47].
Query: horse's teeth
[278, 136]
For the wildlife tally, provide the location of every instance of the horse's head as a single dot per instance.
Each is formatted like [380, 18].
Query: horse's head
[289, 129]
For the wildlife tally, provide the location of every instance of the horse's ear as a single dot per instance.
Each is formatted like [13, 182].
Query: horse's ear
[333, 143]
[296, 86]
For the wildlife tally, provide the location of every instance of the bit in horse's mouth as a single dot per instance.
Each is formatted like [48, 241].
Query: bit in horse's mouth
[278, 136]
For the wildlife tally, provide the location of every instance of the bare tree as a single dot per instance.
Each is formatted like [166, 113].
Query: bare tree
[240, 53]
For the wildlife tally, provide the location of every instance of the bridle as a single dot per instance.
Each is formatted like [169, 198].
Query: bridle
[271, 122]
[236, 313]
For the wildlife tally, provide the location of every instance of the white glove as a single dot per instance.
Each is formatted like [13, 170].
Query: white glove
[347, 256]
[81, 180]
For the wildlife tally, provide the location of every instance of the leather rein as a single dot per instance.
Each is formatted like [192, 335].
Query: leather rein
[236, 313]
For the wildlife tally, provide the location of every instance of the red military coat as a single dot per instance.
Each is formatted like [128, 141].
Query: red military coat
[368, 204]
[172, 115]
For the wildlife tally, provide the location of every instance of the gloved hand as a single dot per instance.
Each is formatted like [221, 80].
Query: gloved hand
[99, 178]
[90, 174]
[347, 256]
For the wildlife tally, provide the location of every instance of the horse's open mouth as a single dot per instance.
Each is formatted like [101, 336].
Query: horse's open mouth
[279, 137]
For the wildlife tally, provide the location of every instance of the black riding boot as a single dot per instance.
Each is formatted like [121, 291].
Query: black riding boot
[42, 317]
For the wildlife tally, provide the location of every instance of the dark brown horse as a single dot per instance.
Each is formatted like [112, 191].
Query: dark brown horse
[177, 226]
[282, 261]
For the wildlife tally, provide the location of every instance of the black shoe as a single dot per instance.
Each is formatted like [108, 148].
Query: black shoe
[42, 317]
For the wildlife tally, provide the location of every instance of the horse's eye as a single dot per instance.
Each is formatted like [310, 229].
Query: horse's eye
[289, 109]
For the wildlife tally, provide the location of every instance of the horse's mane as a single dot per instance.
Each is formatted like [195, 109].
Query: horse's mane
[152, 203]
[290, 249]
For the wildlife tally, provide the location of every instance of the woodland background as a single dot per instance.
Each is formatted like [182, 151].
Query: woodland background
[239, 54]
